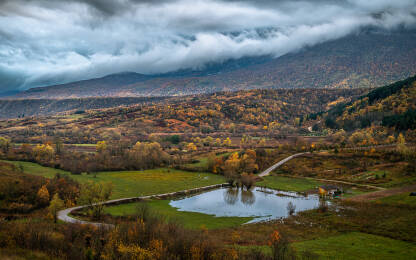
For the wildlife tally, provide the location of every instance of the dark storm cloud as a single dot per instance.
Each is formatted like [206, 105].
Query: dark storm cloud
[44, 42]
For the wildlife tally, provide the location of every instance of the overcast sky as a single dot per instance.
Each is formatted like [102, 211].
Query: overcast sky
[45, 42]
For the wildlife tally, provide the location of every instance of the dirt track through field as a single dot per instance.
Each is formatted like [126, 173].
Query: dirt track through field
[383, 193]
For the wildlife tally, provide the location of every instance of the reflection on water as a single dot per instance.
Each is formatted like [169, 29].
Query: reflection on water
[263, 204]
[247, 197]
[231, 196]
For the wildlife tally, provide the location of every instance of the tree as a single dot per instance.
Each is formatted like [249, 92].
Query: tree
[93, 194]
[211, 162]
[339, 136]
[55, 206]
[401, 145]
[217, 142]
[101, 146]
[227, 142]
[281, 249]
[43, 196]
[290, 208]
[147, 155]
[4, 144]
[248, 162]
[231, 167]
[43, 153]
[58, 145]
[191, 147]
[390, 139]
[248, 180]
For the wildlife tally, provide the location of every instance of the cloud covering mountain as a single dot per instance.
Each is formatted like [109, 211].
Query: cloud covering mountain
[46, 42]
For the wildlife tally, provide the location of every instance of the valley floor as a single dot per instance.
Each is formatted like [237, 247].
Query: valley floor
[369, 224]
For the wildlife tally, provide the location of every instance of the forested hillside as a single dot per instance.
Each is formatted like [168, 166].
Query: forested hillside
[232, 112]
[370, 59]
[391, 106]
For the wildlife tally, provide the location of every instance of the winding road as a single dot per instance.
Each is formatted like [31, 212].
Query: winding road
[63, 215]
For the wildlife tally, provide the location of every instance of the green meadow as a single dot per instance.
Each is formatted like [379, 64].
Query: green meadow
[289, 184]
[356, 245]
[134, 183]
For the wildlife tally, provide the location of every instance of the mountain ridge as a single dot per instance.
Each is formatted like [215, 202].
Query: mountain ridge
[364, 60]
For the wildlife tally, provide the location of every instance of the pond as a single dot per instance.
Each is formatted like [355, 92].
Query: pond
[260, 203]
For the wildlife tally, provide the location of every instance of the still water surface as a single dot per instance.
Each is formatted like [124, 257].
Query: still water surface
[263, 204]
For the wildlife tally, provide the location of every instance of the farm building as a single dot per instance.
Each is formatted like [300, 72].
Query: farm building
[330, 190]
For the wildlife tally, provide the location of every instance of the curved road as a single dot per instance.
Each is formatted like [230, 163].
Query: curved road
[63, 215]
[271, 168]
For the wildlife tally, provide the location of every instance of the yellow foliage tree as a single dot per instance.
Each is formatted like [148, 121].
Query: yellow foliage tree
[56, 205]
[227, 142]
[191, 147]
[101, 146]
[43, 195]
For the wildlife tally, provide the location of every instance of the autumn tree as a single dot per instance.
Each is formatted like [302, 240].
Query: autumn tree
[217, 142]
[55, 206]
[43, 153]
[339, 137]
[231, 168]
[390, 139]
[191, 147]
[281, 249]
[4, 144]
[147, 155]
[101, 146]
[43, 196]
[248, 162]
[247, 180]
[93, 194]
[227, 142]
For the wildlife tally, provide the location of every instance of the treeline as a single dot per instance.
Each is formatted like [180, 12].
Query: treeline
[108, 156]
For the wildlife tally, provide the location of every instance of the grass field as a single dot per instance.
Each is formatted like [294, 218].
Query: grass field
[399, 199]
[85, 145]
[202, 163]
[191, 220]
[357, 245]
[135, 183]
[288, 184]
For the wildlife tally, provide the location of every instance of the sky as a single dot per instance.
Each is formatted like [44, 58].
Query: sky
[45, 42]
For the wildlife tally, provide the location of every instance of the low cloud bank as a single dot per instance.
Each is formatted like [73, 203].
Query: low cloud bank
[47, 42]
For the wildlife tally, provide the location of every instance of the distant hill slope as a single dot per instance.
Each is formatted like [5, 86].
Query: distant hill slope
[365, 60]
[393, 105]
[240, 112]
[37, 107]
